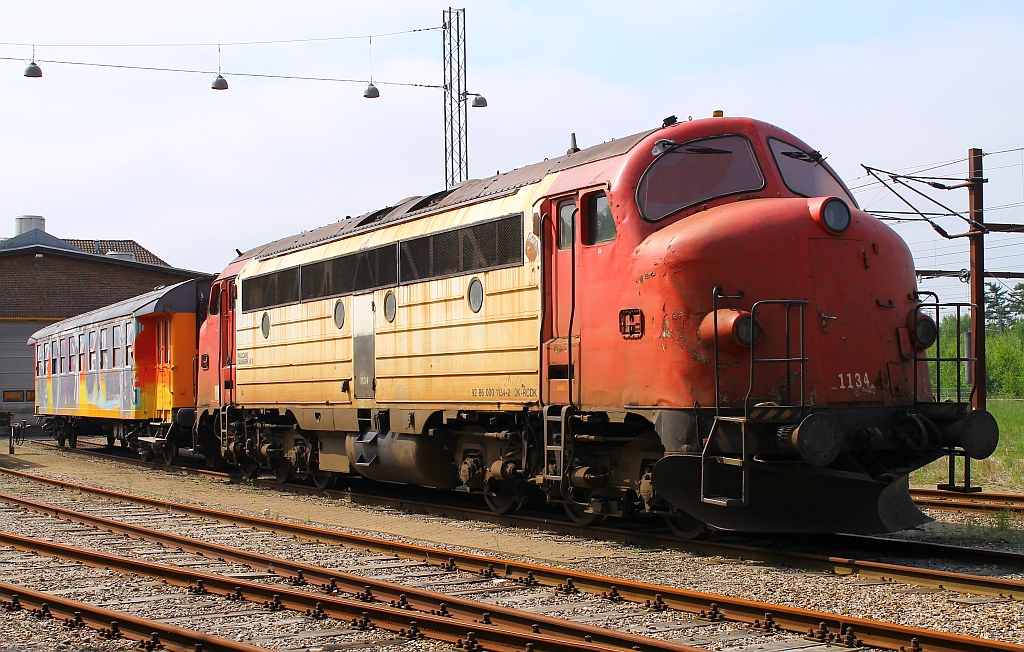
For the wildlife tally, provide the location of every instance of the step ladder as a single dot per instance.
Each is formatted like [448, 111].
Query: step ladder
[556, 430]
[713, 459]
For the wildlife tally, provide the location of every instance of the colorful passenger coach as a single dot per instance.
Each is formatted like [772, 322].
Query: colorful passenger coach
[123, 370]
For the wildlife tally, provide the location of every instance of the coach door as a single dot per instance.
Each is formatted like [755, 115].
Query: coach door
[227, 342]
[561, 247]
[363, 372]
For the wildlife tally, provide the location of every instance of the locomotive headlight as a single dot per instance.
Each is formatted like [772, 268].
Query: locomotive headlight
[746, 330]
[925, 331]
[835, 215]
[737, 330]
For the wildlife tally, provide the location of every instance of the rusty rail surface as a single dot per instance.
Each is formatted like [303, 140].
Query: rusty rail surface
[874, 633]
[969, 502]
[299, 573]
[362, 613]
[115, 624]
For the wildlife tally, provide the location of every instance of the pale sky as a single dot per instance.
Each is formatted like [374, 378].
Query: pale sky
[193, 173]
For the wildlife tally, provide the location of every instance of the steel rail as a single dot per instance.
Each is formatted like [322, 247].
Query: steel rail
[466, 610]
[889, 546]
[361, 613]
[874, 633]
[116, 624]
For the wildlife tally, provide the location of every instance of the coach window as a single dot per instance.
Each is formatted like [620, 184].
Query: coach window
[565, 219]
[46, 359]
[71, 354]
[39, 360]
[81, 352]
[54, 357]
[117, 347]
[104, 348]
[129, 342]
[62, 353]
[600, 223]
[92, 350]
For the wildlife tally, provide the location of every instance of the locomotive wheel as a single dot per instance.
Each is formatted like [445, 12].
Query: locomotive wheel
[250, 468]
[284, 472]
[578, 515]
[170, 453]
[146, 452]
[323, 480]
[502, 504]
[687, 527]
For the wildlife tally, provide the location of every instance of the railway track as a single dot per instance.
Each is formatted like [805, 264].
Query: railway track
[112, 624]
[785, 550]
[522, 576]
[968, 502]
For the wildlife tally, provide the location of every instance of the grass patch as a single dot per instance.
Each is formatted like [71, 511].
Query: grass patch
[1004, 470]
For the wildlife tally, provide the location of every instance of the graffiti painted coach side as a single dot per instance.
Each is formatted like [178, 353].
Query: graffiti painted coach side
[131, 361]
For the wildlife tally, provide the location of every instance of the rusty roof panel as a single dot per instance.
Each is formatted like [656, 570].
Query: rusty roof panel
[468, 192]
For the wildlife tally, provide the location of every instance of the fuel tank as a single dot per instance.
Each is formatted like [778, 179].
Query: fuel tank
[397, 457]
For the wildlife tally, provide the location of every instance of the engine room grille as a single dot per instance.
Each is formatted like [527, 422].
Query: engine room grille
[274, 289]
[358, 272]
[488, 245]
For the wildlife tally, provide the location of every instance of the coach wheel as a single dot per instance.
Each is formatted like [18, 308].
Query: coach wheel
[73, 440]
[284, 472]
[146, 452]
[502, 504]
[61, 440]
[578, 515]
[323, 480]
[110, 440]
[686, 527]
[170, 453]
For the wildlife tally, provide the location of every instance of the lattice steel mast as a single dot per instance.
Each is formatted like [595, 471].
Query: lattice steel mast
[456, 137]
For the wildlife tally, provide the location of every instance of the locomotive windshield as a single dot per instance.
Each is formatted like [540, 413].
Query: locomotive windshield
[697, 171]
[804, 173]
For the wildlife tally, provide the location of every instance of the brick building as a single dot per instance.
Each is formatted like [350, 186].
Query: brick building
[44, 279]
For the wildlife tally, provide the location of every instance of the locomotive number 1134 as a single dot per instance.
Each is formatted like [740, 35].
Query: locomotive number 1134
[855, 381]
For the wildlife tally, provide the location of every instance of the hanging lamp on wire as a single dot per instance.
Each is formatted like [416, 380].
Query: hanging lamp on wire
[219, 84]
[32, 70]
[371, 92]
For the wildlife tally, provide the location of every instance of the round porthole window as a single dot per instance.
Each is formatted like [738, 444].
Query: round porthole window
[390, 307]
[475, 295]
[265, 325]
[339, 313]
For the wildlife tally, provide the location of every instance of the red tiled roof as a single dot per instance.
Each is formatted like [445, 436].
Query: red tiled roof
[101, 247]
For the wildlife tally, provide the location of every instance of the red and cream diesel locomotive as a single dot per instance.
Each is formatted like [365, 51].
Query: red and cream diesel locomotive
[695, 322]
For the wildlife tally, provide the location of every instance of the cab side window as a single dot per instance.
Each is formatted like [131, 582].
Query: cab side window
[600, 223]
[565, 217]
[215, 300]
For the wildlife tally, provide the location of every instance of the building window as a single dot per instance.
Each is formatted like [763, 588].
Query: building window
[117, 347]
[30, 395]
[14, 396]
[92, 350]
